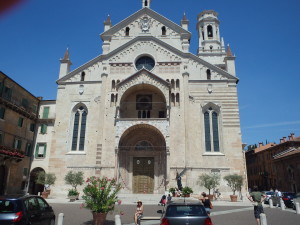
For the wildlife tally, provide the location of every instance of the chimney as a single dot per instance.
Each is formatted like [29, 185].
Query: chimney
[260, 144]
[292, 136]
[281, 140]
[284, 139]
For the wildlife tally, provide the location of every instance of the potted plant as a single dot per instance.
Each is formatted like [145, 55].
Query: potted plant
[235, 182]
[100, 195]
[187, 191]
[172, 190]
[46, 179]
[209, 181]
[74, 179]
[73, 194]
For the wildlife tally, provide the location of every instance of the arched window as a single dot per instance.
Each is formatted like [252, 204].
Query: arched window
[172, 84]
[127, 31]
[146, 3]
[79, 127]
[144, 145]
[208, 74]
[163, 30]
[82, 76]
[177, 98]
[177, 83]
[209, 31]
[112, 98]
[173, 99]
[113, 85]
[211, 127]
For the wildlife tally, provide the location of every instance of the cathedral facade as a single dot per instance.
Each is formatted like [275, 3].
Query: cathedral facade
[146, 108]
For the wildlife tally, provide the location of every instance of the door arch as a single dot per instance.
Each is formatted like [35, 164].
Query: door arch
[2, 179]
[142, 159]
[35, 188]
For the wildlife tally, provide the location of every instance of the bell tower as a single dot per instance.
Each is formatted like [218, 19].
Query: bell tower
[209, 34]
[146, 3]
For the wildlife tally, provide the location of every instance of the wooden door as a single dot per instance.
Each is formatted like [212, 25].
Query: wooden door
[143, 175]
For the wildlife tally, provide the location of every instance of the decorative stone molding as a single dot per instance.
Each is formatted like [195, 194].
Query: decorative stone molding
[139, 47]
[142, 78]
[123, 125]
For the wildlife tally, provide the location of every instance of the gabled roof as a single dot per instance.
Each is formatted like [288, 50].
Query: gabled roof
[140, 13]
[161, 43]
[144, 71]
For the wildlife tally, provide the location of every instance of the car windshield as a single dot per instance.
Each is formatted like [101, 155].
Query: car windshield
[289, 194]
[7, 206]
[185, 210]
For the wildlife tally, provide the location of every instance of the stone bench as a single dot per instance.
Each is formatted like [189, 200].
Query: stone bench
[148, 218]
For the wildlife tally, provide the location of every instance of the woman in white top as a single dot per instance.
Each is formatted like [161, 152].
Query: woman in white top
[139, 211]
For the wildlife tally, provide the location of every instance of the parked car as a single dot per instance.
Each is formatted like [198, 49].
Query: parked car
[184, 211]
[286, 197]
[295, 200]
[25, 210]
[268, 194]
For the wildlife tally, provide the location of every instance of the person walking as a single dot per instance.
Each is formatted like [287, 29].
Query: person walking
[139, 212]
[257, 197]
[206, 203]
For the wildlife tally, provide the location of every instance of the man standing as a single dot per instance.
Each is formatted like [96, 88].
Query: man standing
[257, 198]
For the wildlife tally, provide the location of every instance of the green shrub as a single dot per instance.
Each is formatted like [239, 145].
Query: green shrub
[235, 182]
[187, 190]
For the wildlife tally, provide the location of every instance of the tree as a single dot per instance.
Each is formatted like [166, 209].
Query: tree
[46, 179]
[234, 181]
[209, 181]
[74, 179]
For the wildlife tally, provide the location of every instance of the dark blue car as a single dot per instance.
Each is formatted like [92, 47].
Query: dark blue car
[25, 210]
[287, 198]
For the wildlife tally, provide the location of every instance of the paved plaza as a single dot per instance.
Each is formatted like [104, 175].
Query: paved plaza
[223, 213]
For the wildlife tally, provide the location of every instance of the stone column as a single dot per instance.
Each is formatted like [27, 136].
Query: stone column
[186, 103]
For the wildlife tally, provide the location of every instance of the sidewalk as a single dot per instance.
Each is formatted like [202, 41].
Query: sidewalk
[148, 199]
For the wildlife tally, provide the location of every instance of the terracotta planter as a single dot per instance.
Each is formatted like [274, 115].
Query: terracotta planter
[72, 198]
[45, 194]
[186, 195]
[99, 218]
[210, 197]
[233, 198]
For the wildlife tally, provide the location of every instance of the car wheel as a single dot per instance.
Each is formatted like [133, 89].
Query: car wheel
[52, 222]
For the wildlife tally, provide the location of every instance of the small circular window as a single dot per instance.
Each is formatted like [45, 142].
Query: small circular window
[145, 62]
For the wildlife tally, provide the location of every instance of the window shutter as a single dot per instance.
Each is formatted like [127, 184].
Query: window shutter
[82, 131]
[20, 122]
[2, 112]
[45, 112]
[28, 149]
[37, 150]
[215, 131]
[43, 128]
[19, 144]
[207, 132]
[75, 131]
[45, 148]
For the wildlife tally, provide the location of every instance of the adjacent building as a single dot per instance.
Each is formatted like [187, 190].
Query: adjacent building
[146, 108]
[275, 166]
[18, 117]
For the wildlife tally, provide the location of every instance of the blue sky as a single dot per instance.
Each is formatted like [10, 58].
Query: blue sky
[263, 34]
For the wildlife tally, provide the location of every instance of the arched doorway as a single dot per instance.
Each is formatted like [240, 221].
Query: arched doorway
[142, 159]
[2, 179]
[35, 188]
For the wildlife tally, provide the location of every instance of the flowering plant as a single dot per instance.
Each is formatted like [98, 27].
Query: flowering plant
[100, 194]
